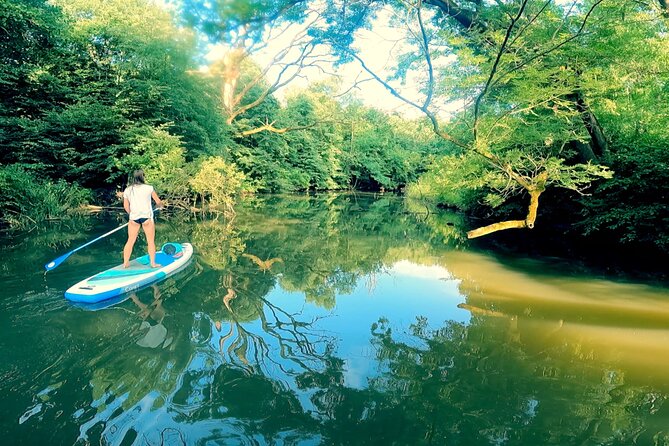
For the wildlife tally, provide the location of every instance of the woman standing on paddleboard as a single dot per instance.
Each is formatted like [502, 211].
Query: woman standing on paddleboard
[137, 203]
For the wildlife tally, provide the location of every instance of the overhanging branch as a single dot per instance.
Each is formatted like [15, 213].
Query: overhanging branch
[269, 127]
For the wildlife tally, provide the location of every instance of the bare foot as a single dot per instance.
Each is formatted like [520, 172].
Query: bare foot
[156, 265]
[126, 264]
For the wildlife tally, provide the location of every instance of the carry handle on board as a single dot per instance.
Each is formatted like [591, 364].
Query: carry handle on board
[54, 263]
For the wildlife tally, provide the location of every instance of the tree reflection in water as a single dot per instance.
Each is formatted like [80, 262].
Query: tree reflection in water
[293, 339]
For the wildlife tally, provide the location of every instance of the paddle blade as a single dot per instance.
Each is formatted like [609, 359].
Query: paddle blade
[54, 263]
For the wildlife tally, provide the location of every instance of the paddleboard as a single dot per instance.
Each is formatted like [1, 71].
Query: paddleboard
[116, 281]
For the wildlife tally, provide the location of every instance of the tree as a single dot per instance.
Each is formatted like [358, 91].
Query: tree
[245, 28]
[517, 96]
[82, 78]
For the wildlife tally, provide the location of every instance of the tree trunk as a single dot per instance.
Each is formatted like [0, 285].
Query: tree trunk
[597, 148]
[664, 4]
[231, 70]
[598, 143]
[584, 150]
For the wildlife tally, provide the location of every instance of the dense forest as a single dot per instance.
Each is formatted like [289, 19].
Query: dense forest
[563, 101]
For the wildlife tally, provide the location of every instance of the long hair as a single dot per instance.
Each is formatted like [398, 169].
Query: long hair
[138, 177]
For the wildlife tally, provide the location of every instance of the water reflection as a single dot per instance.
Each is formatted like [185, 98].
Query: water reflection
[332, 320]
[589, 318]
[153, 331]
[264, 265]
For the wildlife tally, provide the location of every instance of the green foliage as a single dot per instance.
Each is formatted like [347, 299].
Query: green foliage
[161, 156]
[90, 78]
[99, 89]
[312, 154]
[548, 94]
[329, 146]
[384, 151]
[640, 190]
[456, 181]
[27, 200]
[221, 19]
[467, 181]
[91, 90]
[218, 182]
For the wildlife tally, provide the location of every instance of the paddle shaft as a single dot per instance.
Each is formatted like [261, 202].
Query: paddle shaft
[101, 237]
[54, 263]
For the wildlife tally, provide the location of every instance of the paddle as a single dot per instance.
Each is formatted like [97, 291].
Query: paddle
[54, 263]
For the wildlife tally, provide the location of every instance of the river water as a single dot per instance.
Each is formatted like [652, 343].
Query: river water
[335, 319]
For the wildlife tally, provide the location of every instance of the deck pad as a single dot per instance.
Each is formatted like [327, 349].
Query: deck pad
[137, 266]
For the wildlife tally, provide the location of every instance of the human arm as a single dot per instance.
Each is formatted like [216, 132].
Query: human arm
[159, 203]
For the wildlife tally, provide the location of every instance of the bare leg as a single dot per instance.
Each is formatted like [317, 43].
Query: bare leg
[158, 312]
[150, 232]
[143, 308]
[133, 230]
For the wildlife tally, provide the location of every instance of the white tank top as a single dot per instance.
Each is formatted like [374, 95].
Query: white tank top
[139, 197]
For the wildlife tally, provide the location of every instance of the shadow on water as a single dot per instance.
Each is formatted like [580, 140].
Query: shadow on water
[333, 319]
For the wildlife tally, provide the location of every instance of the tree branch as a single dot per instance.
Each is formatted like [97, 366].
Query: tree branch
[553, 48]
[269, 127]
[428, 58]
[535, 191]
[449, 8]
[493, 70]
[425, 106]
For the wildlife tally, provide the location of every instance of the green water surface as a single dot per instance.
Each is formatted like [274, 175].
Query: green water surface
[334, 319]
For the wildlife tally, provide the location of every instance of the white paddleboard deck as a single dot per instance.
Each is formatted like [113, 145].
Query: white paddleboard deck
[118, 280]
